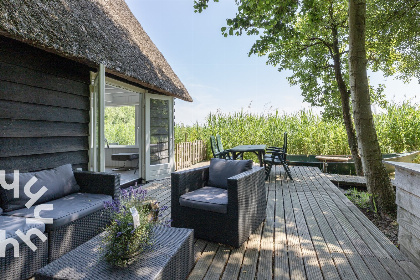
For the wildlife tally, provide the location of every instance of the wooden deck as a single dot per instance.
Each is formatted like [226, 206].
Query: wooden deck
[312, 231]
[348, 180]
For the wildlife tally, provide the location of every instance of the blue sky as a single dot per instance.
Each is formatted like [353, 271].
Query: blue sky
[217, 71]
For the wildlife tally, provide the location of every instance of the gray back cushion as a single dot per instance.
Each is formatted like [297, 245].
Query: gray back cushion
[220, 170]
[59, 181]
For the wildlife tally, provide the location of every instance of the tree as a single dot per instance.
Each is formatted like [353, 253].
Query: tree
[309, 38]
[377, 179]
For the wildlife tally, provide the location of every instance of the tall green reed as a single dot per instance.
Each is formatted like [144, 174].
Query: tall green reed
[398, 129]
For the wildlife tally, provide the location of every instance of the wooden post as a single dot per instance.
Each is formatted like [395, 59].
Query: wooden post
[407, 181]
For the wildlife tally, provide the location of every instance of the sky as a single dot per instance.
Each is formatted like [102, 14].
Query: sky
[217, 71]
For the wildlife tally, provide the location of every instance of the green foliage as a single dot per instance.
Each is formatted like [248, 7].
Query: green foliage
[120, 123]
[310, 38]
[393, 32]
[397, 127]
[361, 199]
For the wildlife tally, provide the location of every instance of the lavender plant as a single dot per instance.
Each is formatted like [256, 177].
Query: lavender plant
[124, 238]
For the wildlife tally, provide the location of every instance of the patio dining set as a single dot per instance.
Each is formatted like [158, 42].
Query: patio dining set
[267, 156]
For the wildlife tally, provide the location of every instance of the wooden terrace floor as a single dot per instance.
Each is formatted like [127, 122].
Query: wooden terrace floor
[312, 231]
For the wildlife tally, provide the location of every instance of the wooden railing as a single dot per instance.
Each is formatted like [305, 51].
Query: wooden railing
[189, 153]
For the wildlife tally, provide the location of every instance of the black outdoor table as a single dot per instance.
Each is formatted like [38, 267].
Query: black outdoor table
[171, 256]
[259, 150]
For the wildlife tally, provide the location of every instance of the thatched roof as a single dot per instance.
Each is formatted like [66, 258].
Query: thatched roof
[92, 32]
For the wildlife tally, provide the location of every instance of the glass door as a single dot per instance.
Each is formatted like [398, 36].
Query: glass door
[159, 136]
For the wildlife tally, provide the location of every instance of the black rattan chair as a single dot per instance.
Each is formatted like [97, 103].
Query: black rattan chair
[246, 206]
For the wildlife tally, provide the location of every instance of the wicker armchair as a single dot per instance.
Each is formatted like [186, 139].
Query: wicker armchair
[246, 207]
[67, 237]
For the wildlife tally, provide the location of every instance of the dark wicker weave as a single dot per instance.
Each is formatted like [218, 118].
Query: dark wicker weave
[65, 238]
[245, 211]
[98, 182]
[27, 263]
[170, 257]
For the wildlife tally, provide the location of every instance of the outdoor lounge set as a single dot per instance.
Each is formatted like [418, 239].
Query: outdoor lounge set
[224, 202]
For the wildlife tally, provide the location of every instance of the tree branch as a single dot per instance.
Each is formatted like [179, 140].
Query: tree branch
[324, 42]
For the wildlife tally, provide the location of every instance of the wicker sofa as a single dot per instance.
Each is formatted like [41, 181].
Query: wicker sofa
[77, 217]
[229, 224]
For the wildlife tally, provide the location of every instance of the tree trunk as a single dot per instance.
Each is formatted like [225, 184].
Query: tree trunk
[345, 106]
[378, 182]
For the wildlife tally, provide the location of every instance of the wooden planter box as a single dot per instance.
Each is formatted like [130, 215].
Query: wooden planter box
[407, 181]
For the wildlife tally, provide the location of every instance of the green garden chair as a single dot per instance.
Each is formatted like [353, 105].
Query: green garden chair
[218, 151]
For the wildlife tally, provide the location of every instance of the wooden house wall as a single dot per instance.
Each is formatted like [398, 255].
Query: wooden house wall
[44, 109]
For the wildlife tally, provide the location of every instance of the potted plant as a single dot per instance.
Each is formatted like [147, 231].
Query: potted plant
[133, 216]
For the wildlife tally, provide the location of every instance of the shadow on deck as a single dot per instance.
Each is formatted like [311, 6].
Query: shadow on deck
[312, 231]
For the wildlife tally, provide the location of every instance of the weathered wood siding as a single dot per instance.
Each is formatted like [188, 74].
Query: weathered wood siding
[44, 109]
[407, 181]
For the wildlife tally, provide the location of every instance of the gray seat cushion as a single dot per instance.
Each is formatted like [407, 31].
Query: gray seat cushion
[59, 181]
[207, 198]
[67, 209]
[12, 224]
[221, 169]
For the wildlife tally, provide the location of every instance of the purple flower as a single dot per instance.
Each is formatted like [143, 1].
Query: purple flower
[168, 223]
[133, 231]
[130, 224]
[118, 222]
[119, 234]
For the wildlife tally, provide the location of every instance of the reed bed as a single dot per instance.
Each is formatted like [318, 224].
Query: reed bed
[398, 128]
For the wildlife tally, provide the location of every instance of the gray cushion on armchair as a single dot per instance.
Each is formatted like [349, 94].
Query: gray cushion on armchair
[221, 169]
[207, 198]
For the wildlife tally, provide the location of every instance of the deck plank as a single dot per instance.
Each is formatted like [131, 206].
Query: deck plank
[281, 262]
[265, 260]
[233, 267]
[218, 264]
[249, 264]
[204, 262]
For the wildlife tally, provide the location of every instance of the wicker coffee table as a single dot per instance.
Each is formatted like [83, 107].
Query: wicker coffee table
[171, 257]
